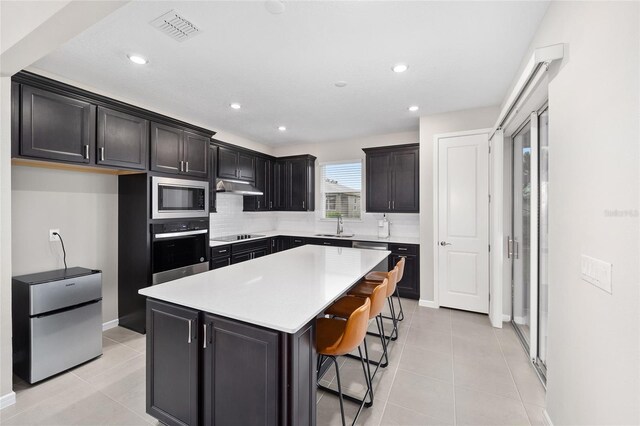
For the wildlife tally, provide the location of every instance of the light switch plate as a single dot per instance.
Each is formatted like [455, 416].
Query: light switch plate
[596, 272]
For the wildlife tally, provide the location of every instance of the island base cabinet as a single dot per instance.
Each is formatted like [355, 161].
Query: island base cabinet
[172, 363]
[241, 374]
[226, 371]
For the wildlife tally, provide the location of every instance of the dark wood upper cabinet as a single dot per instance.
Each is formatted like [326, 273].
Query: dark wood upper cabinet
[177, 151]
[393, 179]
[122, 139]
[278, 187]
[56, 127]
[263, 181]
[166, 148]
[213, 172]
[173, 372]
[196, 148]
[234, 164]
[298, 178]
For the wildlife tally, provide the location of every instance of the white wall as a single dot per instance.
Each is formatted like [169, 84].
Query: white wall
[431, 125]
[84, 206]
[594, 337]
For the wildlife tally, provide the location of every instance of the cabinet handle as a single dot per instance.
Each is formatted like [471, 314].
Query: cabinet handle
[270, 204]
[86, 152]
[102, 153]
[228, 261]
[393, 205]
[204, 340]
[326, 244]
[389, 205]
[402, 249]
[303, 204]
[181, 165]
[187, 167]
[258, 204]
[189, 337]
[222, 251]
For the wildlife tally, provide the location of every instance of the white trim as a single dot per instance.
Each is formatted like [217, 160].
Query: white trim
[436, 186]
[110, 324]
[428, 304]
[496, 231]
[506, 318]
[7, 400]
[540, 56]
[533, 240]
[546, 417]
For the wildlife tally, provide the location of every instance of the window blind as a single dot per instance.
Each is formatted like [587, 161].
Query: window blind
[341, 187]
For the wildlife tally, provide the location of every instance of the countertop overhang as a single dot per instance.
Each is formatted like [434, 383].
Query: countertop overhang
[283, 291]
[303, 234]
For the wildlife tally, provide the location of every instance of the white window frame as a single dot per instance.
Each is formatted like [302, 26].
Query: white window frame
[322, 200]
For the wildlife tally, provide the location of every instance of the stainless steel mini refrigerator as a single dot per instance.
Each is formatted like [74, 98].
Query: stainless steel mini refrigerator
[57, 321]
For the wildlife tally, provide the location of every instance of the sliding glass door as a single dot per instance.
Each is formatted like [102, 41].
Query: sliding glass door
[528, 248]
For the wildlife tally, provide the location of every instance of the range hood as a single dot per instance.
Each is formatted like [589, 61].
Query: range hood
[236, 187]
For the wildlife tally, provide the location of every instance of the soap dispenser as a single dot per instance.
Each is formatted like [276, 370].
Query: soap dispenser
[383, 227]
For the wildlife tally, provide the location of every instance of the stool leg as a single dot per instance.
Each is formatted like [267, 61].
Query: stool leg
[394, 318]
[335, 361]
[401, 313]
[367, 373]
[383, 340]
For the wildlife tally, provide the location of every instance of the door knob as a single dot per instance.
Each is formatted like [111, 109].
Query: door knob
[444, 243]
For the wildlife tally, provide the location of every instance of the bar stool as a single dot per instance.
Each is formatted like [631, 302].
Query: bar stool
[380, 275]
[343, 308]
[364, 288]
[335, 337]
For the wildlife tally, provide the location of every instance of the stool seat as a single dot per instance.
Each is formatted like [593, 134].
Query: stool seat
[329, 333]
[343, 307]
[376, 276]
[364, 288]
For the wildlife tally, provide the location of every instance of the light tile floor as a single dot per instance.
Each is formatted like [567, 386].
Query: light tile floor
[448, 367]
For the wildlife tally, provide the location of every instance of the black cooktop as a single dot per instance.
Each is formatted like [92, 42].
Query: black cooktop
[230, 238]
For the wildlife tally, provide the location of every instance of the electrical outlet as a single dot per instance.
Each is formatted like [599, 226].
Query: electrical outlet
[596, 272]
[53, 237]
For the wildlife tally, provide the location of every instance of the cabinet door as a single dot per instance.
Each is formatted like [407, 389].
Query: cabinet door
[227, 163]
[279, 181]
[172, 363]
[258, 202]
[57, 127]
[195, 152]
[297, 242]
[296, 185]
[219, 262]
[166, 148]
[405, 190]
[122, 139]
[378, 181]
[260, 253]
[213, 173]
[240, 257]
[246, 167]
[241, 374]
[409, 286]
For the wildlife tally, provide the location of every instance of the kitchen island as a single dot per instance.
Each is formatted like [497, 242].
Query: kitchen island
[236, 345]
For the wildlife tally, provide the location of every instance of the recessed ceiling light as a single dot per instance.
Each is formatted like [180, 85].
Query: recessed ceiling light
[400, 67]
[341, 83]
[414, 108]
[235, 105]
[137, 59]
[282, 128]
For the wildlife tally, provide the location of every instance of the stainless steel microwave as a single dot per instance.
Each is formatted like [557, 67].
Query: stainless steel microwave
[173, 198]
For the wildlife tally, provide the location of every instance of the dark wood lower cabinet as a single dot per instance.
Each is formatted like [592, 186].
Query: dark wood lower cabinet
[173, 374]
[247, 374]
[409, 287]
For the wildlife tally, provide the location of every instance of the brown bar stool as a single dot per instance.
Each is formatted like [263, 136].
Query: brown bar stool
[335, 337]
[364, 288]
[380, 275]
[343, 308]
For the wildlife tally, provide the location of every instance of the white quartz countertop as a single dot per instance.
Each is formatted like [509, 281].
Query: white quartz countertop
[357, 237]
[282, 291]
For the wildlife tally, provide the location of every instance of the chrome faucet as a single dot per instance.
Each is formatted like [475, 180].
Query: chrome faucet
[340, 228]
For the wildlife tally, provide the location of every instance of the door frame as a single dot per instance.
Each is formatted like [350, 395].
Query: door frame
[436, 206]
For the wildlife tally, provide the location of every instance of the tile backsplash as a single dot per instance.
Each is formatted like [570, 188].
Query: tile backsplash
[230, 220]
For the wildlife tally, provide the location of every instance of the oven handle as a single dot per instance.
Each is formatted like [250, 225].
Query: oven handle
[180, 234]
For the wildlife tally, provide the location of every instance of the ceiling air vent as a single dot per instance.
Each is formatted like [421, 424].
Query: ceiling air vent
[175, 26]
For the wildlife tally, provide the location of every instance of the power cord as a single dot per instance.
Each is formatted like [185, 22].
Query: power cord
[64, 252]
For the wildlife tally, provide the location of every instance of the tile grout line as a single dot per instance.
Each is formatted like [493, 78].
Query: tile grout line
[512, 378]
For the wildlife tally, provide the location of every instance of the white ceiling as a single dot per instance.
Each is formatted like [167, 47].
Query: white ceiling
[282, 68]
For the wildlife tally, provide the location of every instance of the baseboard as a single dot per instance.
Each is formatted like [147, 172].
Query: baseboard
[428, 304]
[7, 400]
[547, 419]
[520, 320]
[110, 324]
[506, 318]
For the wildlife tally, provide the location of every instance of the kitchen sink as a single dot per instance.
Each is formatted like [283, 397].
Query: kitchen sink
[335, 235]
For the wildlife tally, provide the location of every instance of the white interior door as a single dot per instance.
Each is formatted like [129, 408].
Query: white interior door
[463, 222]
